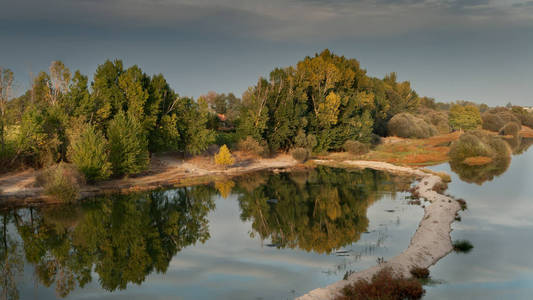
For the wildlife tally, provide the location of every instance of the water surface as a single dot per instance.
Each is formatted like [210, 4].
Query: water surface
[260, 236]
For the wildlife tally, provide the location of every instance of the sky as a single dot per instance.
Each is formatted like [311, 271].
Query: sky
[477, 50]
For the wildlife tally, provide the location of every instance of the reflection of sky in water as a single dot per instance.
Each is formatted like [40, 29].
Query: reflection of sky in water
[499, 223]
[231, 265]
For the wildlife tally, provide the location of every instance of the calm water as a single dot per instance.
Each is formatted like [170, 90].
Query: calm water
[262, 236]
[499, 224]
[269, 236]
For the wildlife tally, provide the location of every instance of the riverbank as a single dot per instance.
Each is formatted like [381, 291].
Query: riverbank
[431, 241]
[21, 188]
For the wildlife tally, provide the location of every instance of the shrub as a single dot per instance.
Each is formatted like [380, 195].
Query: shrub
[464, 117]
[420, 273]
[439, 119]
[462, 246]
[477, 143]
[355, 147]
[223, 157]
[128, 145]
[88, 151]
[440, 187]
[496, 118]
[408, 126]
[510, 128]
[525, 117]
[300, 154]
[61, 182]
[250, 145]
[384, 285]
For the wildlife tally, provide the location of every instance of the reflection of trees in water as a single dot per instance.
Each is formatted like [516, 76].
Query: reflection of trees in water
[320, 210]
[11, 262]
[122, 238]
[487, 172]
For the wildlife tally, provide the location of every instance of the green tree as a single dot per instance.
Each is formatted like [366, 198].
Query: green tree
[89, 152]
[464, 117]
[192, 119]
[6, 89]
[128, 145]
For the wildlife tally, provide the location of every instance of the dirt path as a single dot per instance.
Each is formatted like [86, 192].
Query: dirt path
[430, 242]
[165, 171]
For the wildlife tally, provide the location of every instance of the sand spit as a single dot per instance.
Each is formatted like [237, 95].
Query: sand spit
[430, 242]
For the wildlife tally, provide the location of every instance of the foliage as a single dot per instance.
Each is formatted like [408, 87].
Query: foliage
[61, 182]
[89, 152]
[510, 128]
[496, 118]
[300, 154]
[420, 273]
[323, 101]
[464, 117]
[356, 147]
[526, 118]
[408, 126]
[226, 138]
[462, 246]
[223, 157]
[386, 284]
[478, 143]
[192, 119]
[250, 145]
[439, 119]
[128, 145]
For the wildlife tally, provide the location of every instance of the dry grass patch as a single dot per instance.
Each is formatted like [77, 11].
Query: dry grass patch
[477, 160]
[414, 152]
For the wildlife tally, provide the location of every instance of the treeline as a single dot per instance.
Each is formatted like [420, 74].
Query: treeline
[108, 127]
[111, 125]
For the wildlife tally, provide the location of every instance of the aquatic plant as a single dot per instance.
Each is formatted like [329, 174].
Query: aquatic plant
[386, 284]
[462, 246]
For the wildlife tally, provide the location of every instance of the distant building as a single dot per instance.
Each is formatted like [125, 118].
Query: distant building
[528, 108]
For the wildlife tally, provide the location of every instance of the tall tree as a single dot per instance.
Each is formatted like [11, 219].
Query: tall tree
[6, 87]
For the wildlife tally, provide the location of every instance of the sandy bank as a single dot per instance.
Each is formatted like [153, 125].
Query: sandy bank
[20, 188]
[430, 242]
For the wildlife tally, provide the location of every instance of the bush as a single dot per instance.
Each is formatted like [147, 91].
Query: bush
[128, 145]
[510, 128]
[300, 154]
[356, 147]
[465, 117]
[420, 273]
[462, 246]
[439, 119]
[61, 182]
[408, 126]
[250, 145]
[223, 157]
[88, 151]
[496, 118]
[476, 144]
[384, 285]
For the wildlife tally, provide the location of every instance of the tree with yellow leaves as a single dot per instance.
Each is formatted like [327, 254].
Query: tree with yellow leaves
[223, 157]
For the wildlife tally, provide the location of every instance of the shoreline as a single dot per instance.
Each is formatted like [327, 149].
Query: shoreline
[431, 241]
[19, 189]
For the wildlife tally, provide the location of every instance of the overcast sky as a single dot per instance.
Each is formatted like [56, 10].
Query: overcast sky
[478, 50]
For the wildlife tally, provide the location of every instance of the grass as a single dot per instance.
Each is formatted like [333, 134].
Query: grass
[384, 285]
[462, 246]
[414, 152]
